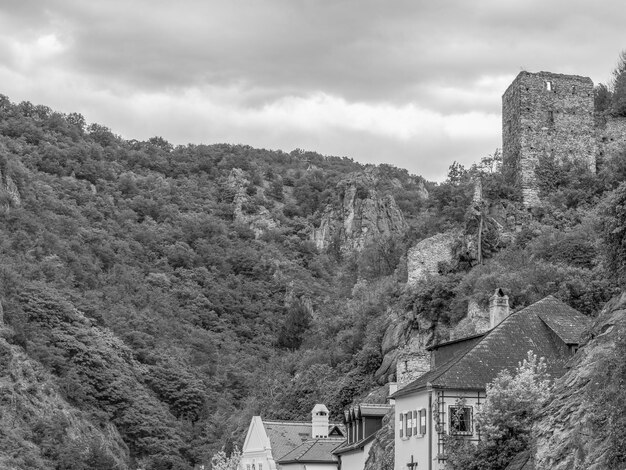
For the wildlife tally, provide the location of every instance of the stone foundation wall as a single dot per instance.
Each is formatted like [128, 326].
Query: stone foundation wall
[411, 365]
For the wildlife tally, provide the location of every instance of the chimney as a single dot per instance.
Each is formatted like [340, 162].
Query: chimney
[319, 421]
[498, 308]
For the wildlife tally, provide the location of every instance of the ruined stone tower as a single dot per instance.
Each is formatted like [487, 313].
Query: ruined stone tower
[547, 114]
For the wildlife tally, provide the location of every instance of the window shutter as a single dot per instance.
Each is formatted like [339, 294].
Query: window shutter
[415, 422]
[422, 421]
[401, 425]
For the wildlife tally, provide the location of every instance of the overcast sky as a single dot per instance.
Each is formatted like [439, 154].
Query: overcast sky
[414, 83]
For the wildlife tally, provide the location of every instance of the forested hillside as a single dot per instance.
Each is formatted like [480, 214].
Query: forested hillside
[163, 295]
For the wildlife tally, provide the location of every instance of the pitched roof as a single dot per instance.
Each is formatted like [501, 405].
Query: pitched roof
[506, 345]
[285, 436]
[366, 409]
[566, 325]
[313, 451]
[345, 447]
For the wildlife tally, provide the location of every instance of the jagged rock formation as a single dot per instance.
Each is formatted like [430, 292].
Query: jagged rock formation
[423, 259]
[361, 216]
[396, 335]
[565, 438]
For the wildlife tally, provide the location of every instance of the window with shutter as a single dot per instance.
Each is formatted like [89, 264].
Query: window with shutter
[422, 421]
[409, 423]
[401, 425]
[414, 422]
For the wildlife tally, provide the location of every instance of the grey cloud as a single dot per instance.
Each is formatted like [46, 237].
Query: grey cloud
[432, 54]
[366, 50]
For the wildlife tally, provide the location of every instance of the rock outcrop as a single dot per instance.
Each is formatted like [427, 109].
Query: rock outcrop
[261, 220]
[565, 436]
[361, 216]
[396, 336]
[424, 258]
[9, 193]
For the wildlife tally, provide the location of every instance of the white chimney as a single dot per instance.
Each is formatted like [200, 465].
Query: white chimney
[498, 308]
[319, 421]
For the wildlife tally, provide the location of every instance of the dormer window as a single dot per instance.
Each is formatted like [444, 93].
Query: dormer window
[549, 86]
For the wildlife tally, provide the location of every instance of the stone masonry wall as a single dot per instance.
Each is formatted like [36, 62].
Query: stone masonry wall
[611, 137]
[546, 114]
[423, 258]
[413, 360]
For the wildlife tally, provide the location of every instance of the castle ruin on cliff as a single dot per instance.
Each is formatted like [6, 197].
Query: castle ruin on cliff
[547, 114]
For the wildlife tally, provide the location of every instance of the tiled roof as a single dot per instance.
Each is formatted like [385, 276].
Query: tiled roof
[314, 450]
[370, 409]
[521, 461]
[567, 325]
[345, 447]
[505, 346]
[285, 436]
[365, 409]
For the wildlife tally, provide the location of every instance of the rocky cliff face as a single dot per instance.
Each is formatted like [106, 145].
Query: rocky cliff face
[360, 216]
[424, 257]
[565, 436]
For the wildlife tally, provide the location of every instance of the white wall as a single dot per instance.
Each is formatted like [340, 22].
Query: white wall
[256, 458]
[355, 460]
[418, 445]
[415, 445]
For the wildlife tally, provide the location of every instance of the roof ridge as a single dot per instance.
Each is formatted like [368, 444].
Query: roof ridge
[296, 423]
[290, 423]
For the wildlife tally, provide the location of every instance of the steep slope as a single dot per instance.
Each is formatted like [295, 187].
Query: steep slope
[577, 426]
[40, 428]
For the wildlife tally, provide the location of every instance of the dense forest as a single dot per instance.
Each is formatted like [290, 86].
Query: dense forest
[155, 297]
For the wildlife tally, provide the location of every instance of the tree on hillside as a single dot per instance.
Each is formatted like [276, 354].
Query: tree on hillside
[602, 98]
[613, 229]
[505, 419]
[619, 85]
[221, 461]
[296, 323]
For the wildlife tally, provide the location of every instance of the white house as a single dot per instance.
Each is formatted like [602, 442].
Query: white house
[292, 445]
[443, 400]
[362, 422]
